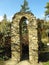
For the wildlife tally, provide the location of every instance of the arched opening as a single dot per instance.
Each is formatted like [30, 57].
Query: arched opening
[24, 41]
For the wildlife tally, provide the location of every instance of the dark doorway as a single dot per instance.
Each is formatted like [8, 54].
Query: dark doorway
[24, 42]
[25, 52]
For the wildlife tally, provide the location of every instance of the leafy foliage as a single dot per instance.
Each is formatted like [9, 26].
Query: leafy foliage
[5, 29]
[47, 9]
[5, 25]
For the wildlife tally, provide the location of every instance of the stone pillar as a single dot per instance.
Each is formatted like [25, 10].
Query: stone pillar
[15, 41]
[33, 41]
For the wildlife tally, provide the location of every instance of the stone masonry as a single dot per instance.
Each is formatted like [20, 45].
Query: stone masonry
[33, 38]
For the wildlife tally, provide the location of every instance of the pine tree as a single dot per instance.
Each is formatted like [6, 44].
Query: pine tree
[5, 17]
[24, 7]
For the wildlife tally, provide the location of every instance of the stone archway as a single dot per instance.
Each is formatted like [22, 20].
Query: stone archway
[24, 40]
[33, 37]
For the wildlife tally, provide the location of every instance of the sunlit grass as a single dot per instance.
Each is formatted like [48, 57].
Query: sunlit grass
[2, 62]
[46, 63]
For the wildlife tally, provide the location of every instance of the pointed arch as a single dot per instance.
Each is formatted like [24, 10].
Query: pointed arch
[24, 40]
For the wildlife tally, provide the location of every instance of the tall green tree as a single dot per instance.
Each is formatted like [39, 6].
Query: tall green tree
[47, 9]
[24, 7]
[5, 25]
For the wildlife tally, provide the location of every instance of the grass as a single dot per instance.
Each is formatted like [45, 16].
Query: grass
[46, 63]
[2, 62]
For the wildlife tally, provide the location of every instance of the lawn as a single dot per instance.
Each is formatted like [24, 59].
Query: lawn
[46, 63]
[2, 62]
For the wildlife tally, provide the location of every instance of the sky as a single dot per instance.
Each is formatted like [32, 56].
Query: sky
[10, 7]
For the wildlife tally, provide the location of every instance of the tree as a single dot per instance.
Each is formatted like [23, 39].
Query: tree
[5, 16]
[5, 25]
[24, 7]
[47, 9]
